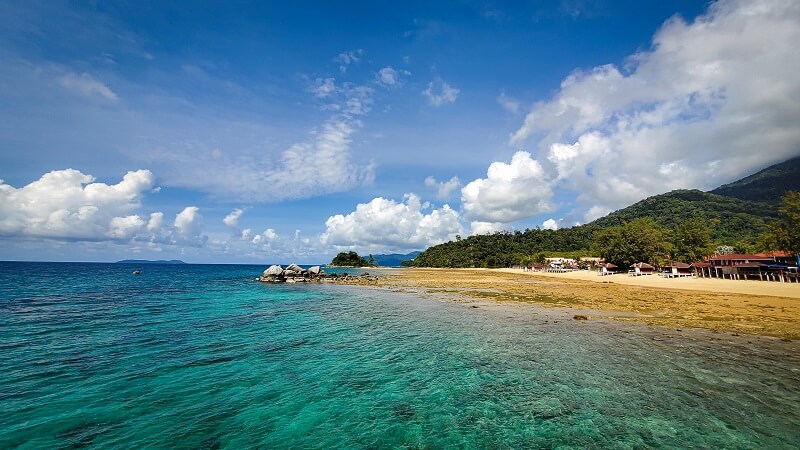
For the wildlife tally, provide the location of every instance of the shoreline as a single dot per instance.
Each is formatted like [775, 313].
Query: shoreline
[747, 307]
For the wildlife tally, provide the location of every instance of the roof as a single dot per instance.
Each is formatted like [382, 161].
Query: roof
[701, 264]
[678, 265]
[741, 256]
[642, 265]
[776, 254]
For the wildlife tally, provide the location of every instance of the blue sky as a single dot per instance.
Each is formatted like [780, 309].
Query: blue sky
[278, 132]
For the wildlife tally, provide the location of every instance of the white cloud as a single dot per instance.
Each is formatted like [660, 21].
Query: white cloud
[125, 227]
[386, 225]
[478, 227]
[247, 234]
[84, 84]
[270, 234]
[187, 229]
[321, 164]
[550, 224]
[440, 93]
[510, 192]
[443, 188]
[388, 76]
[323, 87]
[232, 219]
[69, 205]
[186, 220]
[712, 100]
[508, 103]
[350, 57]
[156, 221]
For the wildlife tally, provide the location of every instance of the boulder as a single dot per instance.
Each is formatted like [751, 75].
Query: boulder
[294, 268]
[314, 270]
[274, 270]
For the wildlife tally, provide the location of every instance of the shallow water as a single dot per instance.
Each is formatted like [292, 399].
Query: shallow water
[204, 357]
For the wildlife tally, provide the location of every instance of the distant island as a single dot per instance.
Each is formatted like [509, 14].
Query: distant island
[147, 261]
[395, 259]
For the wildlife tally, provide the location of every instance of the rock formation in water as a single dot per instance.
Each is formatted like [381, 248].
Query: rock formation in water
[296, 274]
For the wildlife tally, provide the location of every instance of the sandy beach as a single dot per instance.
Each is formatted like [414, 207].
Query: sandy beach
[753, 307]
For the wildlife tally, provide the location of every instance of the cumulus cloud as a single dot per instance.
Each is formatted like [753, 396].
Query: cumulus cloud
[510, 192]
[387, 225]
[125, 227]
[70, 205]
[712, 100]
[550, 224]
[156, 221]
[350, 57]
[86, 85]
[478, 227]
[440, 93]
[232, 219]
[443, 188]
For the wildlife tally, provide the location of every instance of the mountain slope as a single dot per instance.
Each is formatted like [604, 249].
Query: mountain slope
[766, 186]
[394, 259]
[730, 219]
[733, 218]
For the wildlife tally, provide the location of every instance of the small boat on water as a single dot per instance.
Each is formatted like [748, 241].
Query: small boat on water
[137, 272]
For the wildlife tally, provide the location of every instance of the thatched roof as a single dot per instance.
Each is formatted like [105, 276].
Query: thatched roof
[642, 265]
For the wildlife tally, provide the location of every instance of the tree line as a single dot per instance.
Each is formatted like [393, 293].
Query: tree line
[640, 239]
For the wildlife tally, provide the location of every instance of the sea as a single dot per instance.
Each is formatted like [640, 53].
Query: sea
[206, 357]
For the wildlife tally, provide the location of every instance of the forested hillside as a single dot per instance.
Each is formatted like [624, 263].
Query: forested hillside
[730, 220]
[766, 186]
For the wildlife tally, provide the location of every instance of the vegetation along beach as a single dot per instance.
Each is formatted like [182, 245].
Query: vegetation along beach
[456, 224]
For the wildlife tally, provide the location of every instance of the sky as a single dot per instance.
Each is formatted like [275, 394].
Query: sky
[277, 132]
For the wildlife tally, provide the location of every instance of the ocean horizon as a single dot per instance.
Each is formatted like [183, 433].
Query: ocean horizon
[204, 356]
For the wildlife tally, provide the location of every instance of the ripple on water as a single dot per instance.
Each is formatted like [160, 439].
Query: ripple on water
[200, 356]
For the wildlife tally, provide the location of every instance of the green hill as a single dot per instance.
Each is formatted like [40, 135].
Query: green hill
[766, 186]
[731, 220]
[349, 259]
[731, 213]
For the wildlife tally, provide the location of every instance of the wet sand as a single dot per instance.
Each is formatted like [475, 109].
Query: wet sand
[752, 307]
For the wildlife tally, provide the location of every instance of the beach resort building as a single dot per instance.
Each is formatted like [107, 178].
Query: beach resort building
[771, 266]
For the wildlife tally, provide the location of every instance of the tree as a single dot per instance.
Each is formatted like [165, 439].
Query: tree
[785, 232]
[640, 240]
[349, 259]
[371, 260]
[691, 241]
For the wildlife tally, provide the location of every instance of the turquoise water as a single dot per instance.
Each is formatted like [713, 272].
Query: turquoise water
[204, 357]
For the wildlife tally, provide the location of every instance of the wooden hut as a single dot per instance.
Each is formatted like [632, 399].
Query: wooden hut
[677, 270]
[607, 269]
[641, 268]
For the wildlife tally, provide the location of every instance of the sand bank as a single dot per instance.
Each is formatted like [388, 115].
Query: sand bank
[754, 307]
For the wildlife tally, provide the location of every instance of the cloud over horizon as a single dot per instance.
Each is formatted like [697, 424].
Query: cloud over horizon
[387, 225]
[71, 206]
[692, 112]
